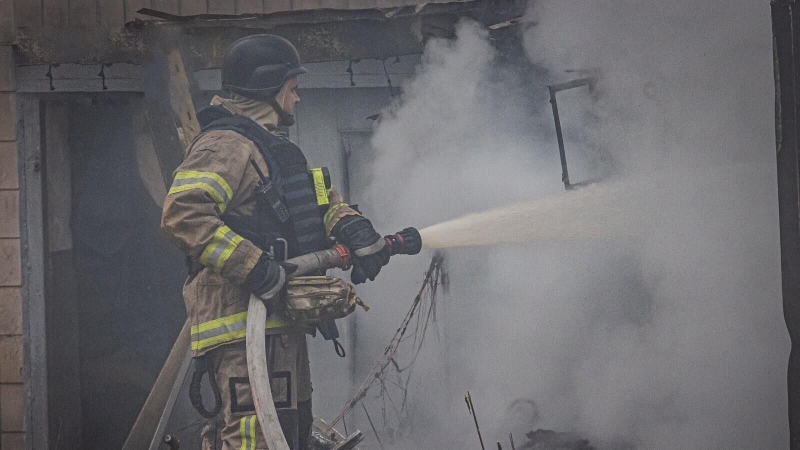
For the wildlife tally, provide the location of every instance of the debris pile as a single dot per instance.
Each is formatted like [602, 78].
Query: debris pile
[554, 440]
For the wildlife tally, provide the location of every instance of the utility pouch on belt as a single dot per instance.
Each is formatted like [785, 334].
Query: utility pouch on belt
[320, 298]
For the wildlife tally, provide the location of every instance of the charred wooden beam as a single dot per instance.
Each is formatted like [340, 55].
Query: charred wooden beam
[35, 46]
[320, 35]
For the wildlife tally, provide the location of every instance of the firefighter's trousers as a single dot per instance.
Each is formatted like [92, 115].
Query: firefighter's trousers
[287, 356]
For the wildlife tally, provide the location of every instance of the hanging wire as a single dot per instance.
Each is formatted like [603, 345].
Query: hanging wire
[49, 76]
[350, 71]
[420, 314]
[378, 438]
[388, 78]
[102, 75]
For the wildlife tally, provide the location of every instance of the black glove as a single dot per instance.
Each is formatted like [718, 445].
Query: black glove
[268, 278]
[368, 267]
[369, 249]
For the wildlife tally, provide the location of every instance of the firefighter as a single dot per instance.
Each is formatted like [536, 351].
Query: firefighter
[242, 201]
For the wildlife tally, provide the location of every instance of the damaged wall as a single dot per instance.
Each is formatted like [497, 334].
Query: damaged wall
[11, 352]
[87, 14]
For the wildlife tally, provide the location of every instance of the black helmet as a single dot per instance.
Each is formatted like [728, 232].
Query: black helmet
[257, 66]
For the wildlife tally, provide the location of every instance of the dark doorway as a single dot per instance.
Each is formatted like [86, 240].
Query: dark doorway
[113, 281]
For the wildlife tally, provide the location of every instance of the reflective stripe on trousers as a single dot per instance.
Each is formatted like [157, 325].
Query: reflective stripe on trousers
[226, 329]
[247, 432]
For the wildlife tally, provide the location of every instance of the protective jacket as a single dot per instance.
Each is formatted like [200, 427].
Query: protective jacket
[212, 215]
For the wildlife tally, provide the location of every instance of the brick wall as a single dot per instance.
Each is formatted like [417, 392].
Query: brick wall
[11, 397]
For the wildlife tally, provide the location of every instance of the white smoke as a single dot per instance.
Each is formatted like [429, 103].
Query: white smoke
[671, 341]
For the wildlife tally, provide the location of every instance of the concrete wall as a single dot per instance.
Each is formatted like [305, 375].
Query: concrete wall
[11, 353]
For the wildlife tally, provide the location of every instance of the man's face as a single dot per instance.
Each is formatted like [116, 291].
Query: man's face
[291, 97]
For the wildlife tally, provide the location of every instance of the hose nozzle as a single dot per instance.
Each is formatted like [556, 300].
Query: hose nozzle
[406, 242]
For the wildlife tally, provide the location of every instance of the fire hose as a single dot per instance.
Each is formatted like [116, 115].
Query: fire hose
[406, 242]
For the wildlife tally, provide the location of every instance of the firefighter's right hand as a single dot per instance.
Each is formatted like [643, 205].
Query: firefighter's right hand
[369, 248]
[268, 278]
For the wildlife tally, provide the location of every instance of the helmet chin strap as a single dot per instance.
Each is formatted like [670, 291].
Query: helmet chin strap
[284, 118]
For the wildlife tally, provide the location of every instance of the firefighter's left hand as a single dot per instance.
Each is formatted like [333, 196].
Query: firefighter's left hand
[268, 278]
[367, 267]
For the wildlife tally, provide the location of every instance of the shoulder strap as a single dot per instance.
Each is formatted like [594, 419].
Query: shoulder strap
[219, 118]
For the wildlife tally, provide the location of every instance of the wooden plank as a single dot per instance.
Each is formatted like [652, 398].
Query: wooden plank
[10, 317]
[11, 356]
[110, 13]
[6, 68]
[79, 78]
[10, 262]
[146, 423]
[211, 79]
[222, 7]
[165, 139]
[396, 3]
[58, 172]
[147, 161]
[317, 4]
[9, 176]
[363, 4]
[249, 7]
[167, 6]
[28, 14]
[13, 441]
[13, 407]
[271, 6]
[33, 304]
[56, 14]
[7, 117]
[7, 21]
[193, 7]
[9, 214]
[83, 14]
[131, 6]
[180, 98]
[81, 85]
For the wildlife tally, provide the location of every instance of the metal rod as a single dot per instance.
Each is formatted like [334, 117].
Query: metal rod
[590, 81]
[169, 407]
[471, 408]
[511, 438]
[560, 136]
[372, 425]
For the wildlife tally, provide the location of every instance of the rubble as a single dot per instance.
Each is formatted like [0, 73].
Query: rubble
[554, 440]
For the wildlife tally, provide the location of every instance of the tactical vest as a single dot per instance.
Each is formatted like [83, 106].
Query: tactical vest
[292, 201]
[300, 192]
